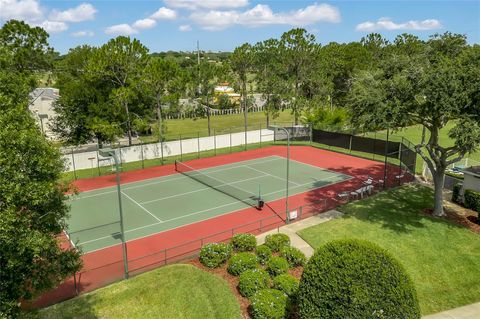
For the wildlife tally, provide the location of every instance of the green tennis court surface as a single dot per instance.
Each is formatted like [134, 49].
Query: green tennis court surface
[159, 204]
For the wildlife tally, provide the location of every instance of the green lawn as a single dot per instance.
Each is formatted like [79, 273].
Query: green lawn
[176, 291]
[219, 123]
[414, 135]
[442, 258]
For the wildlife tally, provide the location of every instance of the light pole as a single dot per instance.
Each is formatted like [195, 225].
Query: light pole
[109, 152]
[276, 128]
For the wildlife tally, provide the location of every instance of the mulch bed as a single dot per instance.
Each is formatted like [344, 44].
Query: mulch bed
[233, 283]
[459, 215]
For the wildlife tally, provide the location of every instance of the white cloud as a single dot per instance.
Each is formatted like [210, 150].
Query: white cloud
[82, 12]
[206, 4]
[185, 28]
[388, 24]
[121, 29]
[164, 14]
[144, 24]
[261, 15]
[27, 10]
[53, 26]
[80, 34]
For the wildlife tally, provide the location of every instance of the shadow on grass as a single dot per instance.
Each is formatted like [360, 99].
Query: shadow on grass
[80, 307]
[399, 208]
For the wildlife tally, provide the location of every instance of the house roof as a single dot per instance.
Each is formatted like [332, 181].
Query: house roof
[473, 170]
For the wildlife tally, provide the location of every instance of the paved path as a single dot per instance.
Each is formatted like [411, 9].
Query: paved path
[291, 230]
[466, 312]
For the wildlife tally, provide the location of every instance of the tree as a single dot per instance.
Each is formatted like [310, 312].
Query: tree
[27, 47]
[160, 81]
[241, 62]
[298, 50]
[436, 87]
[120, 61]
[32, 199]
[206, 76]
[267, 67]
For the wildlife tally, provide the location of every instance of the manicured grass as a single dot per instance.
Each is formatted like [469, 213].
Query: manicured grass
[414, 135]
[221, 124]
[176, 291]
[442, 258]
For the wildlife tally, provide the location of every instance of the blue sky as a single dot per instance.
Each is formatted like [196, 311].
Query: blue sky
[225, 24]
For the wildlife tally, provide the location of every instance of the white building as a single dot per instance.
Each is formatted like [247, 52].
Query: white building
[471, 178]
[41, 105]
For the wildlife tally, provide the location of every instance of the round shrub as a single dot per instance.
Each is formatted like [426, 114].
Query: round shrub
[277, 266]
[269, 304]
[287, 284]
[346, 277]
[243, 242]
[214, 255]
[264, 253]
[253, 280]
[294, 256]
[240, 262]
[277, 241]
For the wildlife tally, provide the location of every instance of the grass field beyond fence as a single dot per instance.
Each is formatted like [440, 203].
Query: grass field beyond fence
[442, 258]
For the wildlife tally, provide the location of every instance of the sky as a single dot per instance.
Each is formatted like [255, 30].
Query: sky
[221, 25]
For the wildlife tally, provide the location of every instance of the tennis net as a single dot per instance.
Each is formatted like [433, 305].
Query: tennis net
[219, 185]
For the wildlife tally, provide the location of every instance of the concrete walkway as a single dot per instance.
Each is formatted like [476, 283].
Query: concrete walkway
[466, 312]
[291, 230]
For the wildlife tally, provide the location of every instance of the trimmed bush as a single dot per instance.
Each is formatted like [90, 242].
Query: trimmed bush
[276, 241]
[287, 284]
[346, 277]
[472, 200]
[240, 262]
[456, 193]
[213, 255]
[253, 280]
[277, 266]
[264, 253]
[269, 304]
[243, 242]
[294, 256]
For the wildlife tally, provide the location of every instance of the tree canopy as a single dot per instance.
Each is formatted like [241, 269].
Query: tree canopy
[32, 198]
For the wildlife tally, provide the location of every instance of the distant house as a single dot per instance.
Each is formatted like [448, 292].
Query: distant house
[471, 178]
[225, 89]
[41, 105]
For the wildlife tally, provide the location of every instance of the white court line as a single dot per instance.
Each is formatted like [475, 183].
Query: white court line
[274, 176]
[199, 190]
[276, 158]
[161, 221]
[317, 167]
[203, 211]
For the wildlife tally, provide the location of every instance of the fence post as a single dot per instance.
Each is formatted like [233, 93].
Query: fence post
[198, 144]
[161, 149]
[400, 162]
[374, 144]
[214, 142]
[310, 128]
[350, 145]
[73, 165]
[260, 132]
[230, 140]
[141, 150]
[98, 163]
[181, 150]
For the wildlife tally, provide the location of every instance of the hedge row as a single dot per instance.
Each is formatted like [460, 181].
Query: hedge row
[472, 200]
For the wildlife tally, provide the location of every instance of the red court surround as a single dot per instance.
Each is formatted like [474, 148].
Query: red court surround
[105, 266]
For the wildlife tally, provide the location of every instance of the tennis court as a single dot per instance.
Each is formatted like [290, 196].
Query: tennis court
[160, 204]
